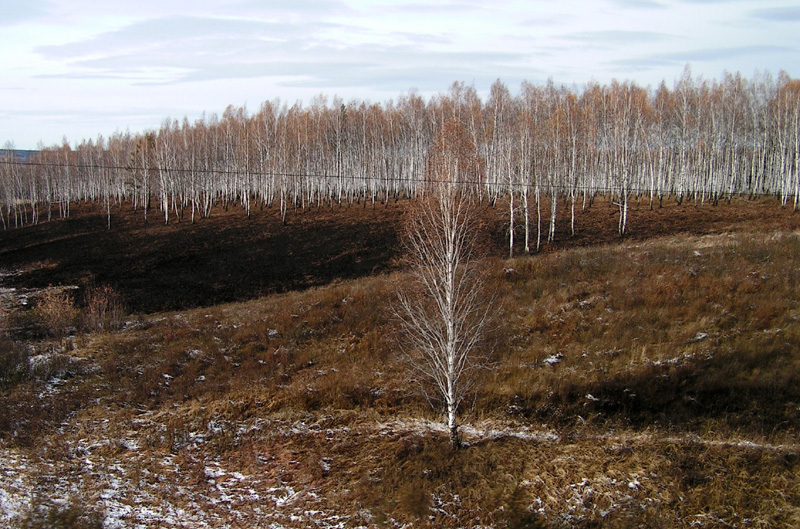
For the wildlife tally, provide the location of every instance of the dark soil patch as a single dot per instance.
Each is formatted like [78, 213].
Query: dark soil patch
[229, 257]
[598, 223]
[226, 257]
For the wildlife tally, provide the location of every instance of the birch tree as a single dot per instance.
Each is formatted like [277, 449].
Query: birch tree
[445, 310]
[696, 139]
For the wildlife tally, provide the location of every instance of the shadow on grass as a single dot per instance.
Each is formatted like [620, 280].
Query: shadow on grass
[754, 390]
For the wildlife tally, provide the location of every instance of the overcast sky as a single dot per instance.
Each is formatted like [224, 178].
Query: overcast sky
[79, 68]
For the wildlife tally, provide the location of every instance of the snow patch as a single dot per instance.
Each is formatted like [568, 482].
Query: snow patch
[553, 359]
[700, 336]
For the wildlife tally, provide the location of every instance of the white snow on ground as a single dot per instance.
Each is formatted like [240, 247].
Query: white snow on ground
[16, 488]
[468, 432]
[132, 492]
[161, 497]
[690, 438]
[137, 491]
[189, 489]
[553, 359]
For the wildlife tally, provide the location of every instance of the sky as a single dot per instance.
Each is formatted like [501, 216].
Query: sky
[76, 69]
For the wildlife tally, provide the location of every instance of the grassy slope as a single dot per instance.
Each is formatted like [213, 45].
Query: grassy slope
[674, 402]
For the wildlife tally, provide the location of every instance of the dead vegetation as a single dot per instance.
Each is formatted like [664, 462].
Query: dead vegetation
[643, 383]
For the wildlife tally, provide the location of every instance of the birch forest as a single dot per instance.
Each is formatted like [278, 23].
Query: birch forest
[541, 152]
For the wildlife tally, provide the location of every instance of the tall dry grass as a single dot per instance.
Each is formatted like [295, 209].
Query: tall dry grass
[690, 333]
[668, 370]
[55, 311]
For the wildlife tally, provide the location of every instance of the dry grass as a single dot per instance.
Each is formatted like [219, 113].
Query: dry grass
[55, 311]
[689, 333]
[43, 515]
[103, 310]
[651, 384]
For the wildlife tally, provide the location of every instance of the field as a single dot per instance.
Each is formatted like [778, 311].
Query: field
[253, 379]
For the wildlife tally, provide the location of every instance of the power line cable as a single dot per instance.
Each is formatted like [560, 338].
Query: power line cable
[396, 179]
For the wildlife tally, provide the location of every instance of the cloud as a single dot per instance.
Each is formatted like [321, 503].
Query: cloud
[714, 54]
[418, 39]
[14, 13]
[545, 21]
[164, 34]
[617, 36]
[639, 4]
[180, 48]
[182, 55]
[186, 49]
[661, 60]
[398, 68]
[315, 7]
[418, 8]
[778, 14]
[385, 68]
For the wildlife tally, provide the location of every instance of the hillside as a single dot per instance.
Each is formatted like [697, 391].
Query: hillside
[229, 257]
[652, 381]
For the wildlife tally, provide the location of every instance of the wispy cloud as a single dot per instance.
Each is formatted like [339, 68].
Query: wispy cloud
[706, 1]
[195, 49]
[639, 4]
[778, 14]
[181, 47]
[727, 53]
[12, 13]
[177, 35]
[417, 8]
[404, 67]
[617, 37]
[660, 60]
[306, 7]
[151, 57]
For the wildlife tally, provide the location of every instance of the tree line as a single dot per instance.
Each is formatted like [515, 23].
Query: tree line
[702, 140]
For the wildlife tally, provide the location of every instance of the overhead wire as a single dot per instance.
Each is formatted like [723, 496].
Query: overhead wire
[395, 179]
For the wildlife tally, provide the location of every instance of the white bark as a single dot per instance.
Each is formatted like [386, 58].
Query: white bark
[445, 313]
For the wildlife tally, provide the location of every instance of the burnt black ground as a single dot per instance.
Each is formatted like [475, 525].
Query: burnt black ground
[230, 257]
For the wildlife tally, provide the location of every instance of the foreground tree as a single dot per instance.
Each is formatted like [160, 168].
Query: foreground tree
[445, 310]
